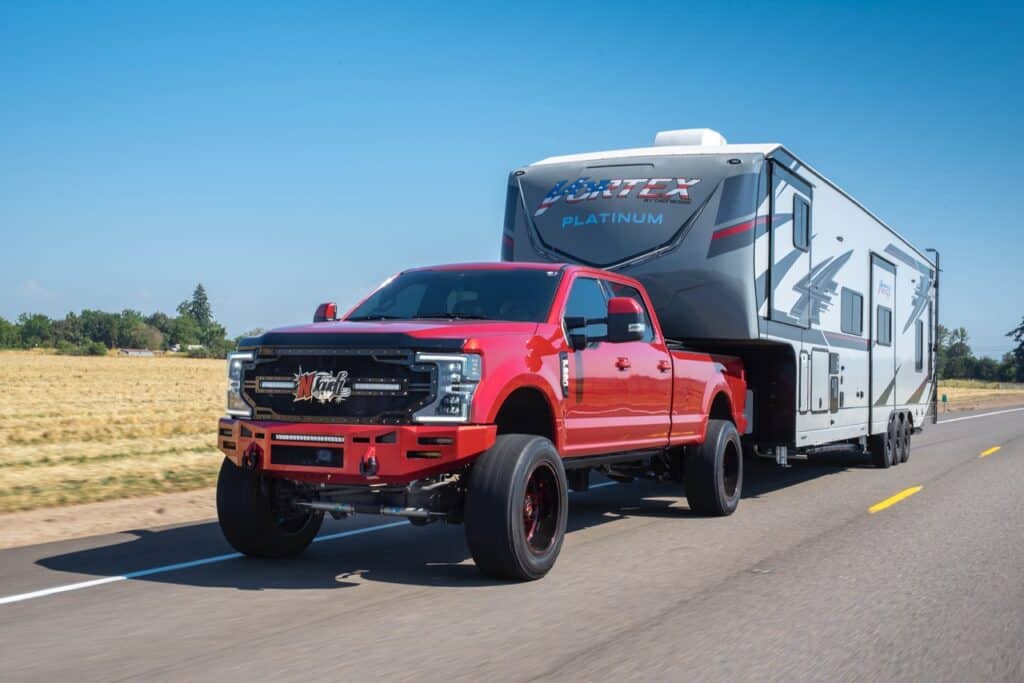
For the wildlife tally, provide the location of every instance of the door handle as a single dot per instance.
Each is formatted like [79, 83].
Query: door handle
[664, 365]
[622, 363]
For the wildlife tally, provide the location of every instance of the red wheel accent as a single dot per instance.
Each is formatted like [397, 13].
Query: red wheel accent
[540, 509]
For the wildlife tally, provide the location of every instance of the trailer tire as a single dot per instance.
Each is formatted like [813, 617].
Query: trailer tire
[517, 505]
[251, 524]
[905, 433]
[883, 447]
[713, 471]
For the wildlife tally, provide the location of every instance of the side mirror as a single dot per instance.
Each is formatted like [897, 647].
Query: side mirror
[625, 320]
[326, 312]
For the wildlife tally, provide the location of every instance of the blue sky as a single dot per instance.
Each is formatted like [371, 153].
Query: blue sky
[285, 154]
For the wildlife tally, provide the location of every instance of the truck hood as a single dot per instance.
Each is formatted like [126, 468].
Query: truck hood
[389, 333]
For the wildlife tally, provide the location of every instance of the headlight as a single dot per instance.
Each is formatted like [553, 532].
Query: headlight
[236, 405]
[457, 377]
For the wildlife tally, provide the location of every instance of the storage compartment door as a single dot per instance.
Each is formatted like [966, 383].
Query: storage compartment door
[819, 381]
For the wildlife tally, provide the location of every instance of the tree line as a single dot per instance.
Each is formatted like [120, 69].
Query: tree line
[93, 332]
[955, 360]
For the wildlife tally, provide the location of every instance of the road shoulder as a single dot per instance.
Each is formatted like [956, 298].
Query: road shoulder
[46, 525]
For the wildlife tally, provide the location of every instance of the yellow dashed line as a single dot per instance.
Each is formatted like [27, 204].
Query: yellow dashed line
[989, 451]
[906, 493]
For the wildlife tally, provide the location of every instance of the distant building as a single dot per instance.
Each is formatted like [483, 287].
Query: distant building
[137, 352]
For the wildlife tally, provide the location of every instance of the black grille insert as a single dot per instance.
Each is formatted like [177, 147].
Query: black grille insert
[365, 372]
[307, 456]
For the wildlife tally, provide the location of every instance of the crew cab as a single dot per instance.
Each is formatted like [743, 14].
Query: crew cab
[475, 394]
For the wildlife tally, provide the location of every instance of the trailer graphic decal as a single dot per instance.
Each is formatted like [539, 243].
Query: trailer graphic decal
[647, 189]
[818, 287]
[924, 283]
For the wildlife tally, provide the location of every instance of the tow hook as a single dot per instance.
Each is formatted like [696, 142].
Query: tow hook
[252, 456]
[368, 465]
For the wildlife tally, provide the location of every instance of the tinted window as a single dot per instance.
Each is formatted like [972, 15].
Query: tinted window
[625, 290]
[852, 312]
[801, 224]
[514, 295]
[884, 335]
[587, 300]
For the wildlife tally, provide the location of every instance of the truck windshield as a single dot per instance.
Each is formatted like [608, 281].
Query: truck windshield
[512, 295]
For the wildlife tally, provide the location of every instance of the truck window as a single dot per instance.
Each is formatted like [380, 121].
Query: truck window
[852, 312]
[617, 289]
[801, 224]
[513, 295]
[884, 332]
[587, 300]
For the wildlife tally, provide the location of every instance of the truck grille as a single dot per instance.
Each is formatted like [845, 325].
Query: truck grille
[343, 385]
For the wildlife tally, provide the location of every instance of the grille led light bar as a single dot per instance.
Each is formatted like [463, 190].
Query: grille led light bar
[315, 438]
[375, 386]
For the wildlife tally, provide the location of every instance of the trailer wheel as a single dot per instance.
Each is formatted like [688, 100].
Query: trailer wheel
[883, 447]
[713, 471]
[255, 518]
[905, 433]
[516, 507]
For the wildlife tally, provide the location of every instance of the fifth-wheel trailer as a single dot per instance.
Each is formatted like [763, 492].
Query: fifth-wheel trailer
[747, 249]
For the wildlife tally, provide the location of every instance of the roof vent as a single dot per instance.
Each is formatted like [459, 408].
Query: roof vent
[699, 137]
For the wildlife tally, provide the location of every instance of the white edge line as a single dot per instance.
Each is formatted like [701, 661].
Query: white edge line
[975, 417]
[214, 559]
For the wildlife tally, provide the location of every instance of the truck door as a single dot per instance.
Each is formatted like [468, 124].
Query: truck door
[647, 379]
[789, 290]
[883, 351]
[597, 406]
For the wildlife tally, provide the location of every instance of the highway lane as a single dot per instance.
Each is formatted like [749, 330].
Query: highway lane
[802, 582]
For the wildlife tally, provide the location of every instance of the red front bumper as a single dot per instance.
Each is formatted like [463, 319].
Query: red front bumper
[351, 454]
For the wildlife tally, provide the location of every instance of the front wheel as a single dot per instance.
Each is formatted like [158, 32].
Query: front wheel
[713, 471]
[256, 518]
[516, 508]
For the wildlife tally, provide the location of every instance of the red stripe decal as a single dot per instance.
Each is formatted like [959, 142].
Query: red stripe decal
[736, 229]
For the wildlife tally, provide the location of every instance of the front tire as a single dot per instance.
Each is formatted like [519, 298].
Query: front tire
[516, 508]
[713, 471]
[255, 521]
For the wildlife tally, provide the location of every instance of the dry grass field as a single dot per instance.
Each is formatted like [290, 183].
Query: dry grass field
[81, 429]
[967, 394]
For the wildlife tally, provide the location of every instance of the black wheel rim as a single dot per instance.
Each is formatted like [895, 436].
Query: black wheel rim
[541, 503]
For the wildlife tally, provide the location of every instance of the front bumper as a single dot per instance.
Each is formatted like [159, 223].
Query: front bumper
[351, 454]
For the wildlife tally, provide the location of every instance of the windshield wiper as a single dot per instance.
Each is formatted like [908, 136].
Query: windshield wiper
[451, 316]
[359, 318]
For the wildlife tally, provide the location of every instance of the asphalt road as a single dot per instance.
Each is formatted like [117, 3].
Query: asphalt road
[803, 582]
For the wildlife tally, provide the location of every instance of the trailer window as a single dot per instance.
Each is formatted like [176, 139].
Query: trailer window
[801, 223]
[617, 289]
[919, 346]
[884, 327]
[587, 300]
[852, 312]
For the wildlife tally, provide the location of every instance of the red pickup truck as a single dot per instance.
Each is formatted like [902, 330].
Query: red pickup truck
[478, 394]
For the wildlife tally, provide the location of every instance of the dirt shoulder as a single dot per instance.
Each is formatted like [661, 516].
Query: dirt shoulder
[33, 527]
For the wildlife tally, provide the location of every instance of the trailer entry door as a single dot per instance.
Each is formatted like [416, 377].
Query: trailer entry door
[883, 341]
